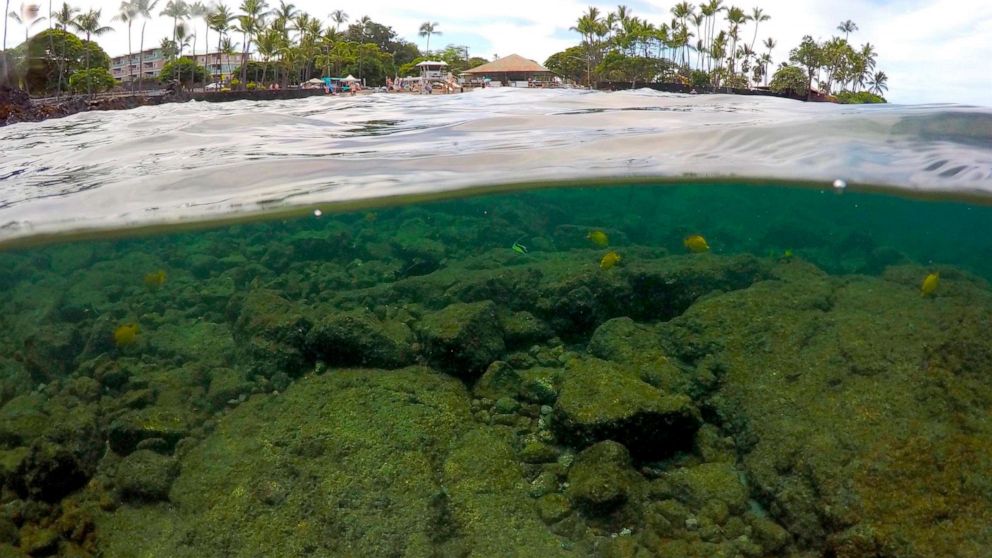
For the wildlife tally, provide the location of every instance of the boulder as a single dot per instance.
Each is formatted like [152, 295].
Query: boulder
[132, 427]
[463, 339]
[272, 331]
[599, 401]
[602, 479]
[707, 483]
[145, 476]
[360, 339]
[48, 473]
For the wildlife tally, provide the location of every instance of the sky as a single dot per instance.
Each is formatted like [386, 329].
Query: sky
[934, 51]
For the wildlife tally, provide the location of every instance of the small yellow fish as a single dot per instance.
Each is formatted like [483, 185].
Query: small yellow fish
[930, 284]
[696, 244]
[609, 260]
[599, 238]
[156, 279]
[126, 335]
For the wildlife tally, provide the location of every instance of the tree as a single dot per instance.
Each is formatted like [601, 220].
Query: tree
[27, 18]
[339, 17]
[176, 9]
[879, 83]
[52, 54]
[143, 9]
[809, 55]
[187, 72]
[426, 30]
[90, 80]
[126, 14]
[220, 21]
[757, 16]
[790, 80]
[847, 27]
[249, 24]
[89, 23]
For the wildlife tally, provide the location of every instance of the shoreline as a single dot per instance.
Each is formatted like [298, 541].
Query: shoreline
[16, 106]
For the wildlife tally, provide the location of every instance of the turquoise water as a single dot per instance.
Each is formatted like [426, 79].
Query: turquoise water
[691, 367]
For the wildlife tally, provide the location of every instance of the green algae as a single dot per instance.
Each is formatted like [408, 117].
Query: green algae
[742, 402]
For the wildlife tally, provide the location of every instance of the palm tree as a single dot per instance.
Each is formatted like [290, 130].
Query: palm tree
[6, 9]
[757, 16]
[143, 9]
[126, 14]
[65, 16]
[25, 19]
[878, 83]
[220, 21]
[764, 62]
[426, 30]
[339, 17]
[176, 9]
[770, 44]
[89, 23]
[249, 24]
[847, 27]
[196, 10]
[286, 12]
[736, 17]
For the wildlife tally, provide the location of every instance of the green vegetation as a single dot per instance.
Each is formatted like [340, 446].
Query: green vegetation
[93, 80]
[184, 70]
[694, 50]
[791, 80]
[859, 98]
[42, 74]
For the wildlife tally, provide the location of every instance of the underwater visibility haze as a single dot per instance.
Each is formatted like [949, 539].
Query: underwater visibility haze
[503, 323]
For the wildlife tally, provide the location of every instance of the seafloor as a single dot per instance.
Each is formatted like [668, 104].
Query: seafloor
[401, 382]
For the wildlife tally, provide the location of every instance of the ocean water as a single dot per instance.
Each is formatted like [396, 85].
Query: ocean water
[505, 323]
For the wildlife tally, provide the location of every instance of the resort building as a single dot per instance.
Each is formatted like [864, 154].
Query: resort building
[124, 68]
[514, 71]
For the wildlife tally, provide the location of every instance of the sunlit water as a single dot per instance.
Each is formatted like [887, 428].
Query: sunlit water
[202, 161]
[665, 326]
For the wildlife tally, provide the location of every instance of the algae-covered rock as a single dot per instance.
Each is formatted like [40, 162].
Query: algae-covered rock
[272, 331]
[226, 384]
[707, 483]
[463, 339]
[522, 329]
[599, 401]
[49, 472]
[360, 339]
[50, 352]
[132, 427]
[499, 380]
[624, 340]
[602, 479]
[489, 502]
[145, 476]
[342, 464]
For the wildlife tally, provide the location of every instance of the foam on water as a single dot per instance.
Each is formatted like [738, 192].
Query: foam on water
[203, 161]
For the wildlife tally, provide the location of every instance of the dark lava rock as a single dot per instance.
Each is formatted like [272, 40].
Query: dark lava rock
[48, 473]
[272, 330]
[146, 476]
[602, 479]
[463, 339]
[38, 541]
[132, 427]
[623, 340]
[600, 401]
[360, 339]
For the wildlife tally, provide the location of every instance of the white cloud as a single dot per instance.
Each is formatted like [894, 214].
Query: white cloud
[932, 50]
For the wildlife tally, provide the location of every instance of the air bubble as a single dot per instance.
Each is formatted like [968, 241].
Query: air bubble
[840, 184]
[317, 213]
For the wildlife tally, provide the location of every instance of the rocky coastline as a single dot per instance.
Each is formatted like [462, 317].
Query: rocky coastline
[16, 105]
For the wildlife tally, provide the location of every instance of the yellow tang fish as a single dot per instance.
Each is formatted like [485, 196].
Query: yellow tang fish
[609, 260]
[599, 238]
[156, 279]
[126, 335]
[696, 244]
[930, 284]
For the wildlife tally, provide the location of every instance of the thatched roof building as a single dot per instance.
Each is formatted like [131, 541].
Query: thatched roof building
[512, 68]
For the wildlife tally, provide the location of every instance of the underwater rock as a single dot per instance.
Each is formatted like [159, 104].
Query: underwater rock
[39, 541]
[600, 401]
[226, 384]
[145, 476]
[23, 419]
[623, 340]
[487, 495]
[48, 473]
[499, 380]
[523, 329]
[708, 483]
[132, 427]
[602, 479]
[50, 352]
[272, 331]
[463, 339]
[553, 508]
[359, 338]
